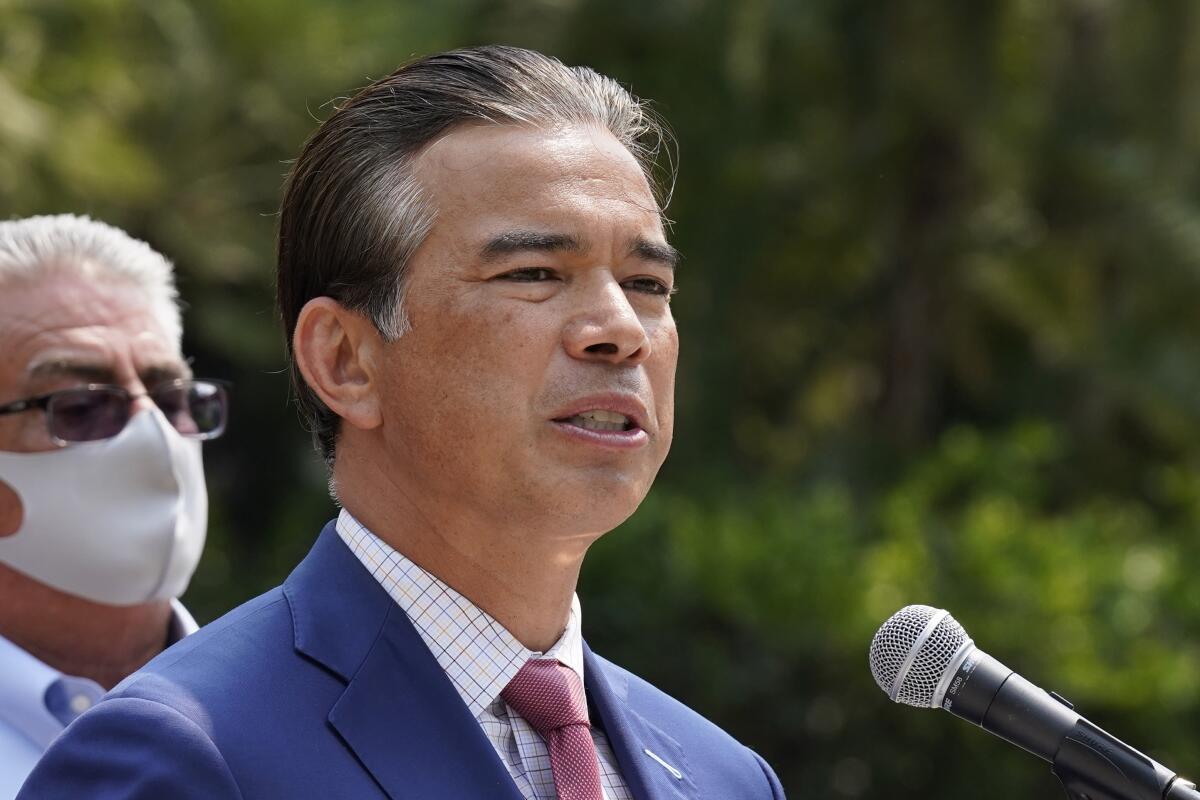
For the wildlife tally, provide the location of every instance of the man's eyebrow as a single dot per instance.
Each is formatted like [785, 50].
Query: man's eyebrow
[96, 372]
[154, 375]
[656, 251]
[67, 368]
[525, 241]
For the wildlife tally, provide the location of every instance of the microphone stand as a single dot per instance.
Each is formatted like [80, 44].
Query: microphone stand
[1095, 765]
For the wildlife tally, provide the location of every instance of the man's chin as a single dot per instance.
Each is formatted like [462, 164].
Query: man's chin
[601, 505]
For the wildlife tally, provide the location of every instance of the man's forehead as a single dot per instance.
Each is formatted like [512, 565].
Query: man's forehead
[44, 334]
[43, 343]
[503, 188]
[509, 160]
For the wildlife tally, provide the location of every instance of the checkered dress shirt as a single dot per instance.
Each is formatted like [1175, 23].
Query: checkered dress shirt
[480, 657]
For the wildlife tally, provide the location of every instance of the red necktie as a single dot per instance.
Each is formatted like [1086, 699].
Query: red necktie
[550, 698]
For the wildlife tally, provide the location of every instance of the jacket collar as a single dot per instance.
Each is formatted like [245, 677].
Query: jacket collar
[399, 714]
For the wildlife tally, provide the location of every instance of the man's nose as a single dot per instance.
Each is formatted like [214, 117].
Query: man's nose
[607, 328]
[142, 403]
[141, 398]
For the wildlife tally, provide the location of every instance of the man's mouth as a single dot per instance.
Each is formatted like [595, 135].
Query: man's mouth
[600, 420]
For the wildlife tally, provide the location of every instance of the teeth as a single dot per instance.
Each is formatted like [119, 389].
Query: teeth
[600, 415]
[600, 420]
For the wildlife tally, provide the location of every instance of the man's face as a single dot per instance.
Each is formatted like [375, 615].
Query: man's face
[536, 385]
[64, 331]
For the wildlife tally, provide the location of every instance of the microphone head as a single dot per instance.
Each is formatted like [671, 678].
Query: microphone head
[915, 653]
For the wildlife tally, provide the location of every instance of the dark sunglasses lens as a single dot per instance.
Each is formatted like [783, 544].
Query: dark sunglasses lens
[194, 408]
[88, 415]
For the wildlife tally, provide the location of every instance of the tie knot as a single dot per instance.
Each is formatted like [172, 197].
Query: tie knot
[548, 695]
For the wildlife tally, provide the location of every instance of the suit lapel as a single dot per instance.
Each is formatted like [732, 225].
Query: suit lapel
[404, 720]
[653, 764]
[399, 714]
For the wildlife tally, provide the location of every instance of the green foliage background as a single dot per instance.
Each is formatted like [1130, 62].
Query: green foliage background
[939, 311]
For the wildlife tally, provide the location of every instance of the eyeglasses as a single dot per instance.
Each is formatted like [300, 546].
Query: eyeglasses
[197, 409]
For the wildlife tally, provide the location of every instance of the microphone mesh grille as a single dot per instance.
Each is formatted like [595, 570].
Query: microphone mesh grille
[894, 644]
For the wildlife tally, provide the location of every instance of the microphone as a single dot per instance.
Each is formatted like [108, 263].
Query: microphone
[922, 657]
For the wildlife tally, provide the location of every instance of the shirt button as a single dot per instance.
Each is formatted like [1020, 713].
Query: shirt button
[80, 703]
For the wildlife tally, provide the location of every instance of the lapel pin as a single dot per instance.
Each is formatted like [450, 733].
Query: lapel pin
[674, 772]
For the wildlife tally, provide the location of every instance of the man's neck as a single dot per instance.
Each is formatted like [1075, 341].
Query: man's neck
[525, 582]
[76, 636]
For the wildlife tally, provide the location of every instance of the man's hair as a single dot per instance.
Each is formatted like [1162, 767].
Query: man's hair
[353, 212]
[39, 248]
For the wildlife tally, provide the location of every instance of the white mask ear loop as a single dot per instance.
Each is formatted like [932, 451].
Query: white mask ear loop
[120, 521]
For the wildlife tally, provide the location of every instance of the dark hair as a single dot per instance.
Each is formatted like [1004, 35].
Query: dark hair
[353, 213]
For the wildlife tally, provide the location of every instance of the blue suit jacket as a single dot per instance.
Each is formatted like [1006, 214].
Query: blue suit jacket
[322, 688]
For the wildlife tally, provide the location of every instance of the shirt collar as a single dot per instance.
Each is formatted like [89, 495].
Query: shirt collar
[29, 687]
[478, 654]
[24, 682]
[182, 623]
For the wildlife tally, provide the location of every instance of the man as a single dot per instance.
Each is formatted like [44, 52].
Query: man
[102, 497]
[475, 281]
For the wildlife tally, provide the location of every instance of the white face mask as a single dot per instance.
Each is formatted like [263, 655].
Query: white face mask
[120, 521]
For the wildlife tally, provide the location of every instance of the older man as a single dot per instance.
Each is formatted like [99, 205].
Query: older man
[102, 498]
[476, 284]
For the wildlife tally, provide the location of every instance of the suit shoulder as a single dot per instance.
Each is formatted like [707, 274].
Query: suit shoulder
[218, 657]
[132, 749]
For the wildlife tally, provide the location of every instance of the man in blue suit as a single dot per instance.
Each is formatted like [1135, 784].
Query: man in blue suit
[475, 280]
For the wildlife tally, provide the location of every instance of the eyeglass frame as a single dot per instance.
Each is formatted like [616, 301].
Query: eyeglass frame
[42, 402]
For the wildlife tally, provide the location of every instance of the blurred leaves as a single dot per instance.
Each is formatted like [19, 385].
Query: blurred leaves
[938, 310]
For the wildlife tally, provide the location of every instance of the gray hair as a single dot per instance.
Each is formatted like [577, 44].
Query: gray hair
[36, 248]
[353, 212]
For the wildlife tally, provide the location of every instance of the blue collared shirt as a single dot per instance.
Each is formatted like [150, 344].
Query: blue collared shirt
[37, 702]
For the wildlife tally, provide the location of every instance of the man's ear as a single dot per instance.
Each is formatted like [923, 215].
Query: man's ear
[337, 351]
[12, 512]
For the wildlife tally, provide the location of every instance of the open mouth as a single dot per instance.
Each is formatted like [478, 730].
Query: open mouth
[600, 420]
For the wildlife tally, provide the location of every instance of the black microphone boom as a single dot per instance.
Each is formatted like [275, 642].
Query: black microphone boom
[922, 657]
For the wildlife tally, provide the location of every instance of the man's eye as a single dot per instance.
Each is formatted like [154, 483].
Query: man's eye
[530, 275]
[649, 286]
